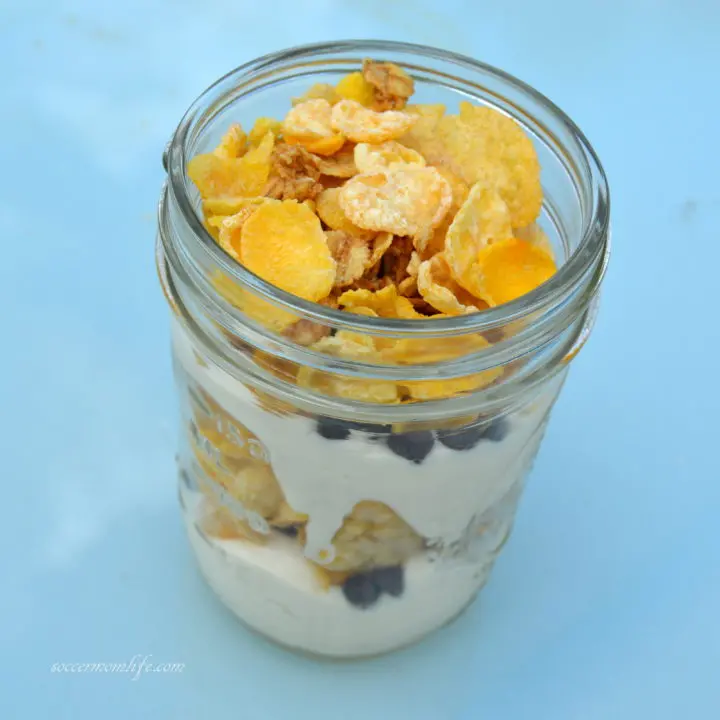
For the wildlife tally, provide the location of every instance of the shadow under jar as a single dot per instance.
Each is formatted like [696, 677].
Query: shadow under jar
[325, 517]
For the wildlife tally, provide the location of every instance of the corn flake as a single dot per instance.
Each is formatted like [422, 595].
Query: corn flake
[245, 176]
[437, 286]
[230, 227]
[309, 124]
[535, 235]
[391, 85]
[423, 135]
[339, 165]
[355, 87]
[385, 156]
[380, 245]
[483, 145]
[293, 174]
[403, 201]
[284, 244]
[354, 347]
[318, 91]
[233, 143]
[511, 268]
[386, 303]
[481, 221]
[310, 119]
[262, 311]
[361, 124]
[351, 255]
[438, 389]
[262, 126]
[331, 213]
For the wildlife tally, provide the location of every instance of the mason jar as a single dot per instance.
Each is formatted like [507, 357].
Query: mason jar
[324, 509]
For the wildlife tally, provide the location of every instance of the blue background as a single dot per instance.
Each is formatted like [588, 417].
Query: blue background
[606, 601]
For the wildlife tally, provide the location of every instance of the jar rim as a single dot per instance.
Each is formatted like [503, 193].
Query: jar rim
[590, 252]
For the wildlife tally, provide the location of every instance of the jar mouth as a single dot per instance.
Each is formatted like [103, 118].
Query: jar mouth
[583, 267]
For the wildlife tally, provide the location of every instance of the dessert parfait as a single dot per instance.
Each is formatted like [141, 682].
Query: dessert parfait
[370, 327]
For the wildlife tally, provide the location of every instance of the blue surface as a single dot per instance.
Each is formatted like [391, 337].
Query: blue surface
[606, 601]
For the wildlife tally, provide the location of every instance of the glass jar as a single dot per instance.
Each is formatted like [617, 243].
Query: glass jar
[325, 510]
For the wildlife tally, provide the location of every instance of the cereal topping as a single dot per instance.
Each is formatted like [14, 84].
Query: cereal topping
[284, 244]
[361, 124]
[360, 201]
[404, 201]
[439, 289]
[339, 165]
[392, 85]
[331, 213]
[355, 87]
[385, 156]
[351, 255]
[483, 145]
[233, 143]
[483, 219]
[293, 174]
[511, 268]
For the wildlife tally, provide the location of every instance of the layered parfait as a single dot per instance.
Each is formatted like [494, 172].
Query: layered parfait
[334, 535]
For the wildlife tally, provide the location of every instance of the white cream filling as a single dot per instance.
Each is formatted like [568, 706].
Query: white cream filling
[273, 589]
[326, 478]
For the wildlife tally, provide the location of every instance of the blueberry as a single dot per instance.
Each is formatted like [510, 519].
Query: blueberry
[332, 429]
[414, 446]
[389, 579]
[497, 429]
[361, 591]
[462, 438]
[290, 530]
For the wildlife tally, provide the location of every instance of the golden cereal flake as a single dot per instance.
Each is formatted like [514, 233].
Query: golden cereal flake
[439, 289]
[386, 303]
[423, 135]
[309, 124]
[385, 156]
[483, 145]
[404, 201]
[284, 244]
[310, 119]
[355, 87]
[408, 287]
[245, 176]
[351, 255]
[229, 204]
[392, 86]
[481, 221]
[339, 165]
[262, 311]
[219, 522]
[413, 265]
[306, 332]
[233, 143]
[318, 146]
[331, 213]
[511, 268]
[360, 124]
[262, 126]
[450, 387]
[380, 245]
[536, 236]
[293, 175]
[355, 347]
[373, 535]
